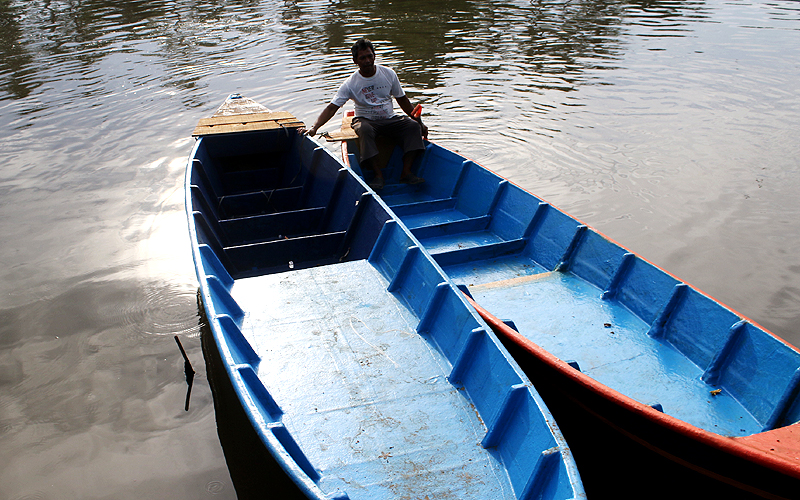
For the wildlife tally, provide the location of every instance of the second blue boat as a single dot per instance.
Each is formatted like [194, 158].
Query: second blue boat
[658, 387]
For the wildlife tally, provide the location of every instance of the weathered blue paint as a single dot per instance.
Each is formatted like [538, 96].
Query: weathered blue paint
[633, 329]
[359, 364]
[563, 283]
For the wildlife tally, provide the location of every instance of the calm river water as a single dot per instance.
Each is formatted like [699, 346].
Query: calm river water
[673, 127]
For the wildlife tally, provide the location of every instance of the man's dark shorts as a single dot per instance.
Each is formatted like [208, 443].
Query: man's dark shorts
[402, 129]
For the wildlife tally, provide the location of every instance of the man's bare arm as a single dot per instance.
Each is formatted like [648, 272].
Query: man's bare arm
[405, 105]
[323, 118]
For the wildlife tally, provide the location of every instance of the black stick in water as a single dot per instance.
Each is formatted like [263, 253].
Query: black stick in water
[188, 370]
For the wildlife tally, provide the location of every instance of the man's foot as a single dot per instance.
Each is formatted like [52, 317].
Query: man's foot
[411, 179]
[376, 183]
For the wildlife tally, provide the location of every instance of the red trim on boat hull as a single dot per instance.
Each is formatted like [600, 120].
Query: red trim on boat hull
[609, 433]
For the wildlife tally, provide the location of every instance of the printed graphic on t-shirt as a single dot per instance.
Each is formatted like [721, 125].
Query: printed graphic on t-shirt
[368, 93]
[372, 96]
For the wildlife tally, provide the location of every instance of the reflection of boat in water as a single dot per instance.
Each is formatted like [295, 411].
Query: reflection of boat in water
[359, 367]
[255, 474]
[650, 379]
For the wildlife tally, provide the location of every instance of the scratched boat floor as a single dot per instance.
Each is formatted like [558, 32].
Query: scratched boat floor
[365, 396]
[566, 316]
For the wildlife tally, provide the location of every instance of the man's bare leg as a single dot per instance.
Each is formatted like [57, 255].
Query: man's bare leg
[406, 175]
[377, 181]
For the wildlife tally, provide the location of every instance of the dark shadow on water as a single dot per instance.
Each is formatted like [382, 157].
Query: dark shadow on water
[189, 372]
[253, 470]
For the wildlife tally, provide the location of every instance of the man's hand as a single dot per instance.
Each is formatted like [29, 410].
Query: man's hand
[307, 131]
[326, 115]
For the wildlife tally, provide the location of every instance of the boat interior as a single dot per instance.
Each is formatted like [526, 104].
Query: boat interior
[359, 362]
[607, 312]
[261, 212]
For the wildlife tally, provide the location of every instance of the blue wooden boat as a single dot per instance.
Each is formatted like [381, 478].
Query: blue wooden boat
[360, 367]
[658, 387]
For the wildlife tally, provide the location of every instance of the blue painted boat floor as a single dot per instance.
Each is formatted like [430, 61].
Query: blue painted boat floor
[363, 394]
[566, 315]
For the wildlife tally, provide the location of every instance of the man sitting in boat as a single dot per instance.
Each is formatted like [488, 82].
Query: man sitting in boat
[371, 88]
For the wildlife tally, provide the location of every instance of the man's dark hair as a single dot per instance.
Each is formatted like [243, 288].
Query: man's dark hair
[362, 44]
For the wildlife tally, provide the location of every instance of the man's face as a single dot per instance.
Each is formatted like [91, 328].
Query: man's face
[365, 59]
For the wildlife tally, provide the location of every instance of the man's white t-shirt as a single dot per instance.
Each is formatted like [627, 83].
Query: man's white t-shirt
[372, 96]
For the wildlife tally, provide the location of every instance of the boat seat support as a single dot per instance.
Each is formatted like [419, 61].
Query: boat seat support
[466, 355]
[712, 374]
[563, 265]
[623, 268]
[433, 307]
[542, 474]
[659, 325]
[504, 414]
[405, 265]
[785, 403]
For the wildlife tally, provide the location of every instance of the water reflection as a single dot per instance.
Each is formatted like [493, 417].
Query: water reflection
[84, 389]
[188, 372]
[45, 42]
[551, 43]
[14, 58]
